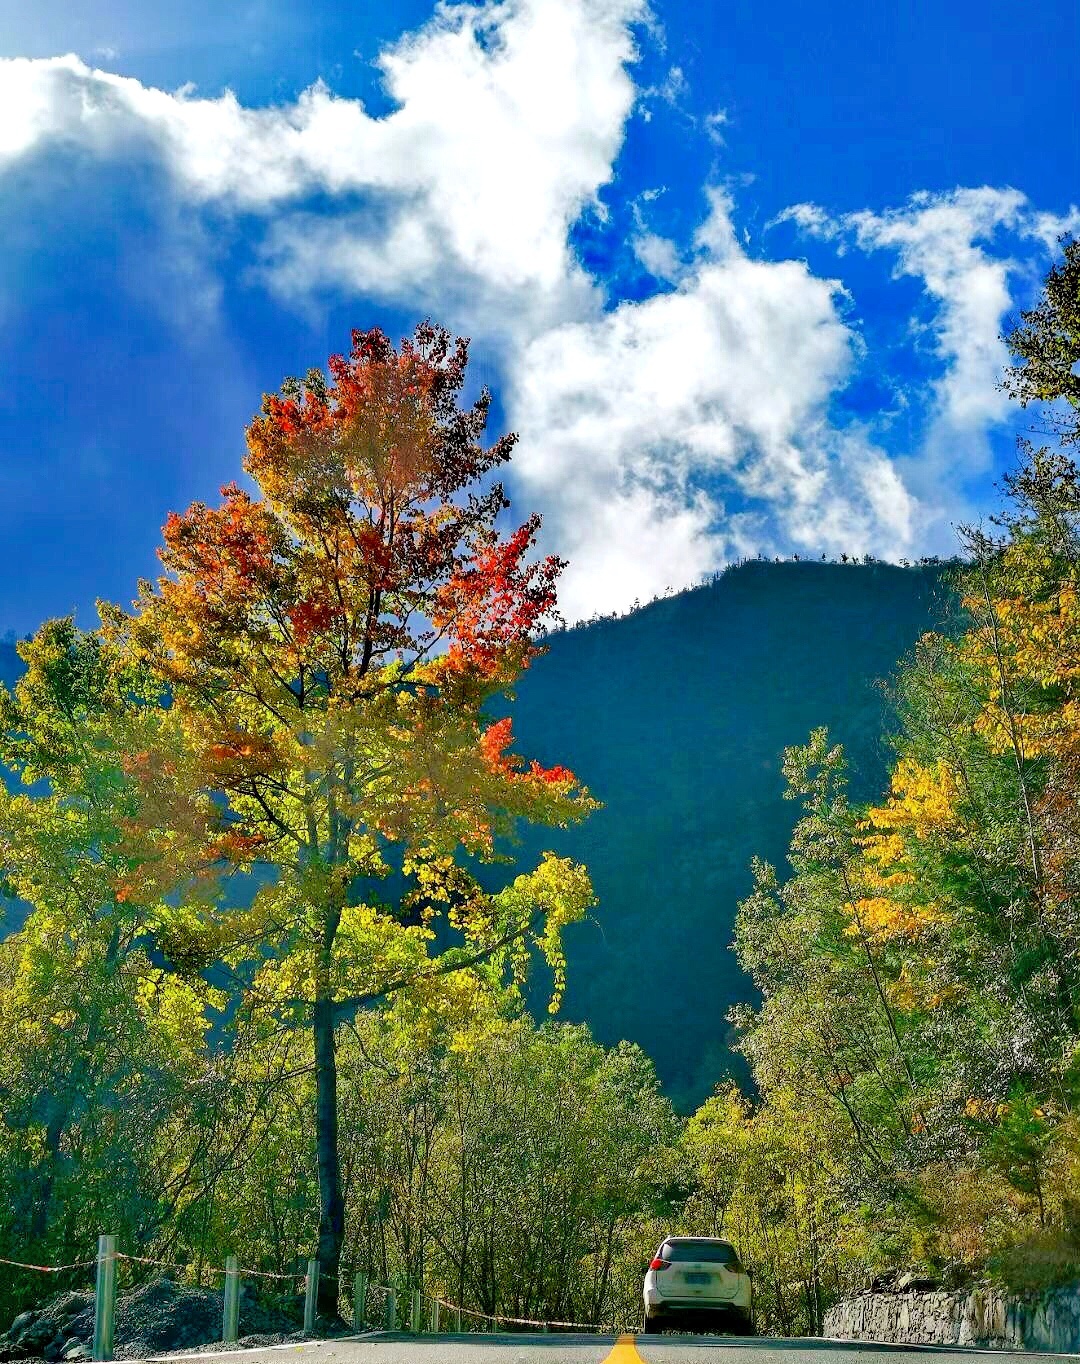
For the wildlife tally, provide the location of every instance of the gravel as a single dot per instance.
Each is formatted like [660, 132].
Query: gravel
[160, 1317]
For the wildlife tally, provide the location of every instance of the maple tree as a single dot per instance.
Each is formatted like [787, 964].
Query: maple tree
[327, 648]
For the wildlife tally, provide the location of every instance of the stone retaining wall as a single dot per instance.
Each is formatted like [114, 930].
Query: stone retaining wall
[981, 1316]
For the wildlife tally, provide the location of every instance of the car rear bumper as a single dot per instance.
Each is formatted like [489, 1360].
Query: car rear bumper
[725, 1315]
[656, 1303]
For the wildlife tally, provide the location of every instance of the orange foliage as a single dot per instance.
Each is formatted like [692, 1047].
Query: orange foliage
[366, 562]
[493, 744]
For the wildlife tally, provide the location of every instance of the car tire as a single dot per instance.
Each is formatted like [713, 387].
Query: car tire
[650, 1325]
[744, 1324]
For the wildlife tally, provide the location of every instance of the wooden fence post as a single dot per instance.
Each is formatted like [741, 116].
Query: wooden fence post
[311, 1297]
[415, 1323]
[105, 1298]
[230, 1330]
[390, 1319]
[359, 1301]
[435, 1317]
[457, 1320]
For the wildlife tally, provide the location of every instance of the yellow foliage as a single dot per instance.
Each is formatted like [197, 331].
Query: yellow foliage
[880, 919]
[922, 800]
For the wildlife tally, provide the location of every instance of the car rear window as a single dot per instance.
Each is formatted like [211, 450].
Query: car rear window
[704, 1252]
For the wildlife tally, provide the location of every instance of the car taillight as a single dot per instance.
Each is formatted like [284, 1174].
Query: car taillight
[658, 1263]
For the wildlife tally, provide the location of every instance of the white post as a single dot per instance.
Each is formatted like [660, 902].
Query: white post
[230, 1331]
[414, 1315]
[457, 1320]
[390, 1320]
[435, 1317]
[105, 1298]
[311, 1297]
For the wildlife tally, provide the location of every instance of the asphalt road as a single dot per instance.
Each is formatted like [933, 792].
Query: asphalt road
[628, 1349]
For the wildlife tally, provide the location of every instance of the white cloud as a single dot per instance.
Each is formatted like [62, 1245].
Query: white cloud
[510, 118]
[659, 256]
[811, 218]
[671, 90]
[636, 425]
[660, 438]
[713, 123]
[952, 243]
[942, 239]
[1049, 228]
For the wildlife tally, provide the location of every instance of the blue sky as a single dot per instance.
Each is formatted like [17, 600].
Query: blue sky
[735, 274]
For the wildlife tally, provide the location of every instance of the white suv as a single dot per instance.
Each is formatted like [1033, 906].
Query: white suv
[694, 1275]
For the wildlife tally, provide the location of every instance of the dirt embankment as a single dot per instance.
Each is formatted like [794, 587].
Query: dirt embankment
[151, 1319]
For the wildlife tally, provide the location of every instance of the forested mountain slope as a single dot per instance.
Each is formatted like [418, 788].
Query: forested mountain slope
[676, 717]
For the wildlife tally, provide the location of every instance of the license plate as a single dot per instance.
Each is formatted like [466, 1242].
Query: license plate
[698, 1278]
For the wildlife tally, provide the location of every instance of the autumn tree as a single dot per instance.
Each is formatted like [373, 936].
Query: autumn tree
[823, 948]
[327, 645]
[770, 1180]
[921, 966]
[104, 1082]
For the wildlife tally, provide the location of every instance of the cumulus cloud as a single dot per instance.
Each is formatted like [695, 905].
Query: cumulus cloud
[639, 425]
[510, 116]
[660, 437]
[943, 241]
[953, 243]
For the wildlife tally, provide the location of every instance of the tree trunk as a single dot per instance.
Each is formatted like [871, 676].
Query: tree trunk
[54, 1133]
[331, 1200]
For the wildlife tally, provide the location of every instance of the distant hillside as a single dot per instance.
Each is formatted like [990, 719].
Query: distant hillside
[676, 717]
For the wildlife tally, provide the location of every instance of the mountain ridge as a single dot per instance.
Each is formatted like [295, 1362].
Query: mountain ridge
[676, 717]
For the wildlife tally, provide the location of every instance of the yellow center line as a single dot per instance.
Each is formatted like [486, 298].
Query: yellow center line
[625, 1352]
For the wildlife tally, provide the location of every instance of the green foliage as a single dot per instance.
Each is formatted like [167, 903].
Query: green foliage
[1046, 346]
[920, 967]
[510, 1177]
[107, 1094]
[771, 1181]
[915, 1038]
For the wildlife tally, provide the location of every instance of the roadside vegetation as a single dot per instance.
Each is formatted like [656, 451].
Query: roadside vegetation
[920, 966]
[263, 1004]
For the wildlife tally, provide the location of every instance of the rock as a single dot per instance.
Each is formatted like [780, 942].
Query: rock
[82, 1323]
[151, 1318]
[981, 1317]
[32, 1339]
[911, 1282]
